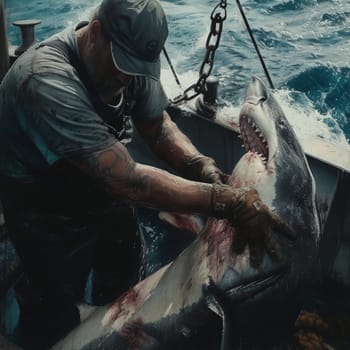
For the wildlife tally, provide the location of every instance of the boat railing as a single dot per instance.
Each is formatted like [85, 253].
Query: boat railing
[4, 50]
[9, 53]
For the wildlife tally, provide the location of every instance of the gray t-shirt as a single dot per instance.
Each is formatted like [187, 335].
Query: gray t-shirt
[46, 113]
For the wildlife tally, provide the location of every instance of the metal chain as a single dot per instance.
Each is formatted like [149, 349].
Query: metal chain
[217, 16]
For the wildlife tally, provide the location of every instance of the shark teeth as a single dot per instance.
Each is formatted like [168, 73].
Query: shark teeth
[253, 138]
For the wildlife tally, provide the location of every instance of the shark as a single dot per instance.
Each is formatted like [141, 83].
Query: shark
[209, 297]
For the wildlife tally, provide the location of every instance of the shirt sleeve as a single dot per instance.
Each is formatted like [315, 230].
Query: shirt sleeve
[59, 118]
[148, 99]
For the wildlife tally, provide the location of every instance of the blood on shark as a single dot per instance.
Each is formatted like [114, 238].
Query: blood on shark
[209, 297]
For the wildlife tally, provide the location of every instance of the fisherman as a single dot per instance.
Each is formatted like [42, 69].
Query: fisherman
[69, 185]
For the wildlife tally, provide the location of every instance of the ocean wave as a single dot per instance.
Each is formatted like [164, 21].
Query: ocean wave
[328, 88]
[292, 5]
[297, 40]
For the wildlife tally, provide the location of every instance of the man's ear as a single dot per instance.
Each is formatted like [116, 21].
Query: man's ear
[95, 33]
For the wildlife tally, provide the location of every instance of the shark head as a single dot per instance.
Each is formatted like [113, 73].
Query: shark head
[275, 163]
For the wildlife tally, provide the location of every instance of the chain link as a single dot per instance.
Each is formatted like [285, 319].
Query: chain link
[217, 17]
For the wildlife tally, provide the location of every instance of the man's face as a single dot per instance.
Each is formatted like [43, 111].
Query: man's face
[107, 79]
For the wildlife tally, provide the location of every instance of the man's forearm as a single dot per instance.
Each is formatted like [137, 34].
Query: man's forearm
[169, 143]
[176, 149]
[153, 187]
[144, 185]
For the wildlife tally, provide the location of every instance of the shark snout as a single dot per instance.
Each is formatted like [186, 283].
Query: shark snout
[257, 91]
[257, 123]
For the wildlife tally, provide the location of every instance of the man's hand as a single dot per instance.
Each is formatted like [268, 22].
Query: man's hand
[252, 219]
[204, 169]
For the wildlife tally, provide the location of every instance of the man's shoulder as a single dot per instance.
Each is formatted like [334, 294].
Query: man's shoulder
[146, 98]
[51, 69]
[49, 59]
[144, 85]
[48, 78]
[51, 56]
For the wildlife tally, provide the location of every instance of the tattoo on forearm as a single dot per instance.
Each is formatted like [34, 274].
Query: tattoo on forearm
[117, 173]
[140, 187]
[163, 133]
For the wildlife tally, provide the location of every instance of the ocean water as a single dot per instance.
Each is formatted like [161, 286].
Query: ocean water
[305, 45]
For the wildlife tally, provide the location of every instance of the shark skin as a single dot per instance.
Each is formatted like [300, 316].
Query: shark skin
[209, 297]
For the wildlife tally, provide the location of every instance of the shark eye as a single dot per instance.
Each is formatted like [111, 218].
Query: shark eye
[282, 123]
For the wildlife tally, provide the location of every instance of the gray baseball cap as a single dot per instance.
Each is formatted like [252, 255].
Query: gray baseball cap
[138, 30]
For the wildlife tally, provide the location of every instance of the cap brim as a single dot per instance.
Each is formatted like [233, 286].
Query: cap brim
[131, 65]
